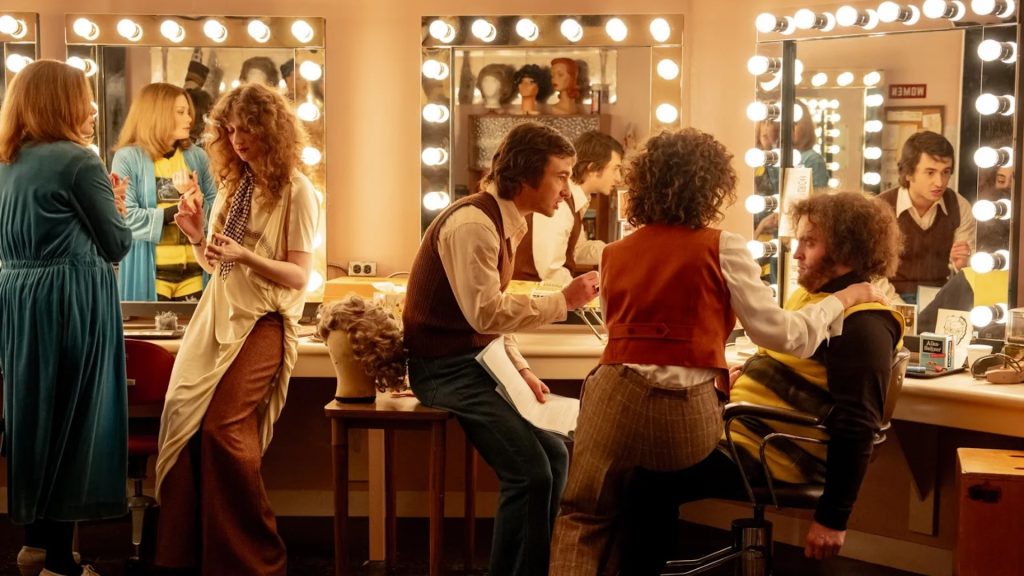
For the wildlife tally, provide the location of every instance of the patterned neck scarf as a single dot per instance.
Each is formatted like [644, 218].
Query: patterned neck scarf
[238, 216]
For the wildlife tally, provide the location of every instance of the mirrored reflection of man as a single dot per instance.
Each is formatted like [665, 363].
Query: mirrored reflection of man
[456, 304]
[937, 225]
[552, 247]
[841, 239]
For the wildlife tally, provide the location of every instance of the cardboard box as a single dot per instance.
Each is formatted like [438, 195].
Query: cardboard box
[936, 351]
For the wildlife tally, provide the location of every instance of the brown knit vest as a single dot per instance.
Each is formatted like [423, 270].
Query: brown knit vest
[434, 324]
[666, 301]
[526, 267]
[925, 257]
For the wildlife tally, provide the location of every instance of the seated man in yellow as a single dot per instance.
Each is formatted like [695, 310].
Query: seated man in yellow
[841, 239]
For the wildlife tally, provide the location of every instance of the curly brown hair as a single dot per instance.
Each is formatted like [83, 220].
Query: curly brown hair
[269, 117]
[376, 338]
[680, 178]
[859, 231]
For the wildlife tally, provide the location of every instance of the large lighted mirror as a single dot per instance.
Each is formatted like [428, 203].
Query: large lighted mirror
[206, 57]
[870, 76]
[483, 75]
[19, 39]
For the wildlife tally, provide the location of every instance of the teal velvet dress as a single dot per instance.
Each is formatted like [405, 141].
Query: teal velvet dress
[61, 341]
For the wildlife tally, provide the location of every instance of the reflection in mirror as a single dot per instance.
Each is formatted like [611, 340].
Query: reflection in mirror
[969, 104]
[155, 79]
[18, 32]
[481, 76]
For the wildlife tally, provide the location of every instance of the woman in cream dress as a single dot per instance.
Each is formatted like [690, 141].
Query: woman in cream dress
[230, 378]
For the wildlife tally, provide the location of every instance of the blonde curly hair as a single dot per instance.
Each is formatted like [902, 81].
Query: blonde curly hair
[376, 338]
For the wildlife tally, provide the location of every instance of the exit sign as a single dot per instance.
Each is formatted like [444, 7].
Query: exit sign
[908, 90]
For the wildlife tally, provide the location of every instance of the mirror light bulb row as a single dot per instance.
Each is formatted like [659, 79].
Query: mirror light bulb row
[173, 30]
[982, 316]
[526, 28]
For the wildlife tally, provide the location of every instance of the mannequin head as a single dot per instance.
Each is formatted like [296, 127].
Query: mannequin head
[563, 77]
[495, 85]
[532, 81]
[374, 339]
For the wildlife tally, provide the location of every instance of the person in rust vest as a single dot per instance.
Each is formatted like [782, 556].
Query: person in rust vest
[671, 293]
[937, 225]
[842, 240]
[552, 247]
[456, 304]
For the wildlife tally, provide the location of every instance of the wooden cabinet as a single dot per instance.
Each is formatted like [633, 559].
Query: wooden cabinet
[990, 532]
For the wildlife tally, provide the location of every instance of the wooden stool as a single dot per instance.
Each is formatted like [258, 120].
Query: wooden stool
[390, 414]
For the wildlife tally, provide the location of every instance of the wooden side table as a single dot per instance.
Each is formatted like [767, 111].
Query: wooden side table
[390, 414]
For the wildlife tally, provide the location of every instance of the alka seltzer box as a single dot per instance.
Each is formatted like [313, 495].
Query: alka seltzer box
[936, 352]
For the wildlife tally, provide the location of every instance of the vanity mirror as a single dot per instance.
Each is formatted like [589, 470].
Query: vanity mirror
[207, 56]
[19, 33]
[943, 66]
[482, 75]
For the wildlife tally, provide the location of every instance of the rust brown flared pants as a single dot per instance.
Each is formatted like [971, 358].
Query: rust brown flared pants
[214, 512]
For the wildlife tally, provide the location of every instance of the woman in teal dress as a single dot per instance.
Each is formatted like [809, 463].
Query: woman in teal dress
[61, 343]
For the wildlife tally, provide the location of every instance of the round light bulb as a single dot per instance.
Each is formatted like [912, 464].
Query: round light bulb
[572, 30]
[757, 65]
[765, 22]
[434, 156]
[984, 210]
[934, 8]
[311, 71]
[832, 166]
[666, 113]
[172, 31]
[235, 84]
[483, 30]
[441, 31]
[756, 248]
[959, 12]
[987, 104]
[845, 79]
[11, 26]
[847, 16]
[311, 156]
[889, 12]
[437, 200]
[804, 19]
[833, 183]
[755, 204]
[76, 62]
[527, 29]
[436, 113]
[755, 157]
[16, 63]
[308, 112]
[668, 69]
[435, 70]
[874, 100]
[833, 149]
[982, 316]
[616, 29]
[788, 27]
[872, 178]
[986, 157]
[819, 79]
[873, 126]
[833, 132]
[872, 78]
[872, 152]
[258, 31]
[872, 21]
[983, 262]
[86, 28]
[660, 29]
[215, 31]
[316, 281]
[302, 31]
[129, 29]
[757, 111]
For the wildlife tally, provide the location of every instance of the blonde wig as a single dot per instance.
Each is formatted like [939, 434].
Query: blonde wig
[376, 338]
[48, 101]
[151, 120]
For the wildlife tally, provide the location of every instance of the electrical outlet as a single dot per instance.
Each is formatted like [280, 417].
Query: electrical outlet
[361, 268]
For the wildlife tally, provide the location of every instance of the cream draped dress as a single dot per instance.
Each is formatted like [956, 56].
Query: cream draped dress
[227, 312]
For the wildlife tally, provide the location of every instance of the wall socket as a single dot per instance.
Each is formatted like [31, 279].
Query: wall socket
[362, 268]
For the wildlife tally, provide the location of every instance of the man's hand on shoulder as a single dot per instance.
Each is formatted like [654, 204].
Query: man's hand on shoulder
[581, 290]
[823, 542]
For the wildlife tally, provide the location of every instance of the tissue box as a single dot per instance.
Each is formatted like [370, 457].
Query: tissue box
[936, 351]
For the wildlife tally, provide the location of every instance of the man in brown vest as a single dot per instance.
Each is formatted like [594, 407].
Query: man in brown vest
[456, 304]
[552, 248]
[937, 225]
